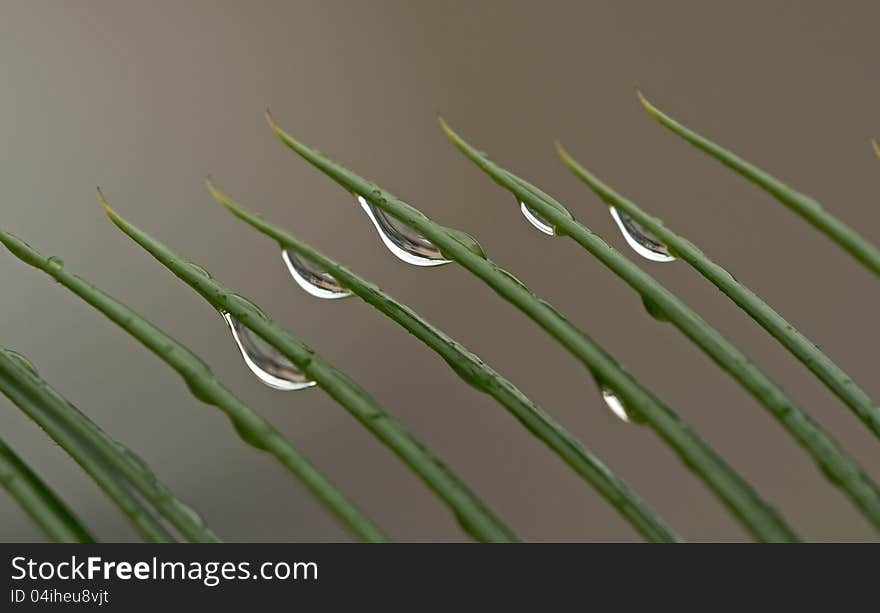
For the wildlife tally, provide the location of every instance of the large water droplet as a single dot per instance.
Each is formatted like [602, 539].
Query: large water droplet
[315, 281]
[615, 405]
[401, 240]
[265, 361]
[641, 240]
[536, 220]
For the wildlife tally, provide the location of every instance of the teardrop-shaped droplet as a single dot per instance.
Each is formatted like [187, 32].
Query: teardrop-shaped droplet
[641, 240]
[315, 281]
[22, 361]
[266, 362]
[536, 220]
[401, 240]
[615, 405]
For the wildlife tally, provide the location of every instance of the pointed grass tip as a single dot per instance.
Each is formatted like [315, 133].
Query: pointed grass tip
[876, 147]
[653, 110]
[279, 132]
[214, 190]
[460, 143]
[563, 154]
[106, 205]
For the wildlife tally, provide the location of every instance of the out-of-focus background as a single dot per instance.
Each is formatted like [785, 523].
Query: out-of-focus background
[145, 99]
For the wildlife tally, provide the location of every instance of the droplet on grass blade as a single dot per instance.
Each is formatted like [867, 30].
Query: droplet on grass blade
[401, 240]
[315, 281]
[615, 405]
[55, 264]
[266, 362]
[22, 361]
[536, 220]
[641, 240]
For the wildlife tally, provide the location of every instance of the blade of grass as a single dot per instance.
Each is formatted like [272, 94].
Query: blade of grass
[805, 206]
[252, 428]
[800, 346]
[761, 520]
[472, 514]
[44, 407]
[839, 468]
[475, 372]
[56, 412]
[38, 501]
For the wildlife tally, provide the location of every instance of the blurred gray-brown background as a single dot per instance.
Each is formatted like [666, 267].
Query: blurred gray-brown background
[146, 98]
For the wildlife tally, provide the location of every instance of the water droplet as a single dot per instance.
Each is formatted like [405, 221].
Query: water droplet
[536, 220]
[654, 310]
[22, 361]
[194, 518]
[55, 263]
[468, 241]
[200, 270]
[641, 240]
[266, 362]
[315, 281]
[244, 301]
[615, 405]
[401, 240]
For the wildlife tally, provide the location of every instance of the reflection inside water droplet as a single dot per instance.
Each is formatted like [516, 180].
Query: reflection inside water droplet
[270, 367]
[615, 405]
[401, 240]
[536, 220]
[315, 281]
[641, 240]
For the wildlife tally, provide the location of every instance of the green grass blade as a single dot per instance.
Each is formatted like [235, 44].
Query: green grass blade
[761, 520]
[47, 409]
[252, 428]
[478, 374]
[839, 468]
[37, 499]
[473, 515]
[123, 461]
[803, 205]
[800, 346]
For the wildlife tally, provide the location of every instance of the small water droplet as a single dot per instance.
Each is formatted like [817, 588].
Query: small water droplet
[55, 263]
[251, 435]
[536, 220]
[641, 240]
[194, 518]
[200, 270]
[136, 460]
[266, 362]
[244, 301]
[309, 276]
[401, 240]
[22, 361]
[615, 405]
[653, 310]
